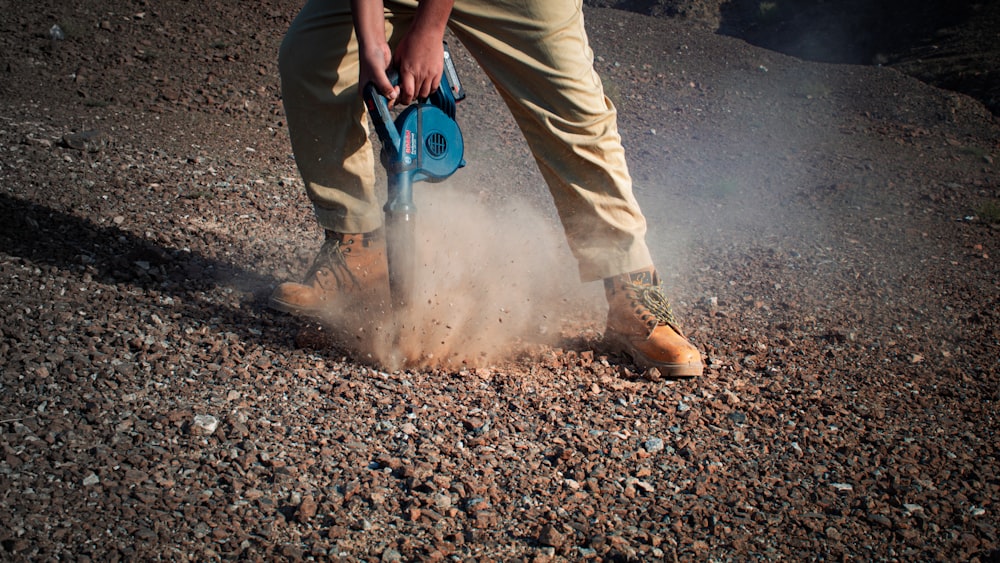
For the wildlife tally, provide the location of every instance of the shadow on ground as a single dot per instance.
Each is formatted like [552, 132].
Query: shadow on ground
[141, 268]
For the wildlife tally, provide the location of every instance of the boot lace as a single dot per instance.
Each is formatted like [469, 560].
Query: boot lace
[650, 304]
[331, 258]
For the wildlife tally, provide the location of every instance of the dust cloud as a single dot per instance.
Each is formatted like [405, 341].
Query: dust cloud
[492, 279]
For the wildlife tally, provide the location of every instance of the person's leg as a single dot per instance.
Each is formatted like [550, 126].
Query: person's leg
[328, 128]
[538, 57]
[318, 63]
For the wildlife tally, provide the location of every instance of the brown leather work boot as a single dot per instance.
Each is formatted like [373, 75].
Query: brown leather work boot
[641, 324]
[347, 265]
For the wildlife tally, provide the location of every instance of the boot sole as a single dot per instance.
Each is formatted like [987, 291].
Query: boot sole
[284, 307]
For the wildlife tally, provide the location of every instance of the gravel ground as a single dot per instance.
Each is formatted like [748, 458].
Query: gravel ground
[826, 232]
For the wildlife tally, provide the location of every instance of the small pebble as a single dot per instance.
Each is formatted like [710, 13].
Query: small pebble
[204, 424]
[653, 445]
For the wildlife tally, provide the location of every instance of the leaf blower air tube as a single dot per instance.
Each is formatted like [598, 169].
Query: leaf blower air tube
[422, 143]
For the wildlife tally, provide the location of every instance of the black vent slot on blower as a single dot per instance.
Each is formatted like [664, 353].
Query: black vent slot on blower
[436, 144]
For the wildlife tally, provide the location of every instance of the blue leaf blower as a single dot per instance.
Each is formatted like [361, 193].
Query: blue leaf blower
[422, 143]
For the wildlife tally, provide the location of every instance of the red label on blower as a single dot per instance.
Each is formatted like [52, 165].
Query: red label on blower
[408, 147]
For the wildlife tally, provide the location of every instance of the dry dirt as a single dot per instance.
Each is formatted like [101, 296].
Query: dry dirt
[824, 232]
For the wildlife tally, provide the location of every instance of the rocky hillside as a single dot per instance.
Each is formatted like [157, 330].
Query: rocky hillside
[953, 45]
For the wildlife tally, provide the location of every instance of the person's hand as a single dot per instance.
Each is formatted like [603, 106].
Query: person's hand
[375, 60]
[419, 58]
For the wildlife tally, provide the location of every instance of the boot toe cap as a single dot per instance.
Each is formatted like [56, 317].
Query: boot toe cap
[295, 298]
[666, 350]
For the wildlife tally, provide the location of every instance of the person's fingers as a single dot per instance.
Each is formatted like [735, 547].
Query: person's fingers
[407, 88]
[428, 86]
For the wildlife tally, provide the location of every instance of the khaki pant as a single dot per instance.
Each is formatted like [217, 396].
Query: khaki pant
[537, 55]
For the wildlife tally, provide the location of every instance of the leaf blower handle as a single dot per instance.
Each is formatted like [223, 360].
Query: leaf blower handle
[378, 108]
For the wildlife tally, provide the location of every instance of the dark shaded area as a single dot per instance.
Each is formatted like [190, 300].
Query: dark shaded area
[952, 45]
[853, 31]
[49, 237]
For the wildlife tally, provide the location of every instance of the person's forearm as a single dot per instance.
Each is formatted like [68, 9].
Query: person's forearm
[369, 21]
[374, 55]
[432, 16]
[418, 56]
[369, 18]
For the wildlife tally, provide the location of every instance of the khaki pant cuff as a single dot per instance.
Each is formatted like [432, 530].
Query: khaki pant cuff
[610, 264]
[335, 220]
